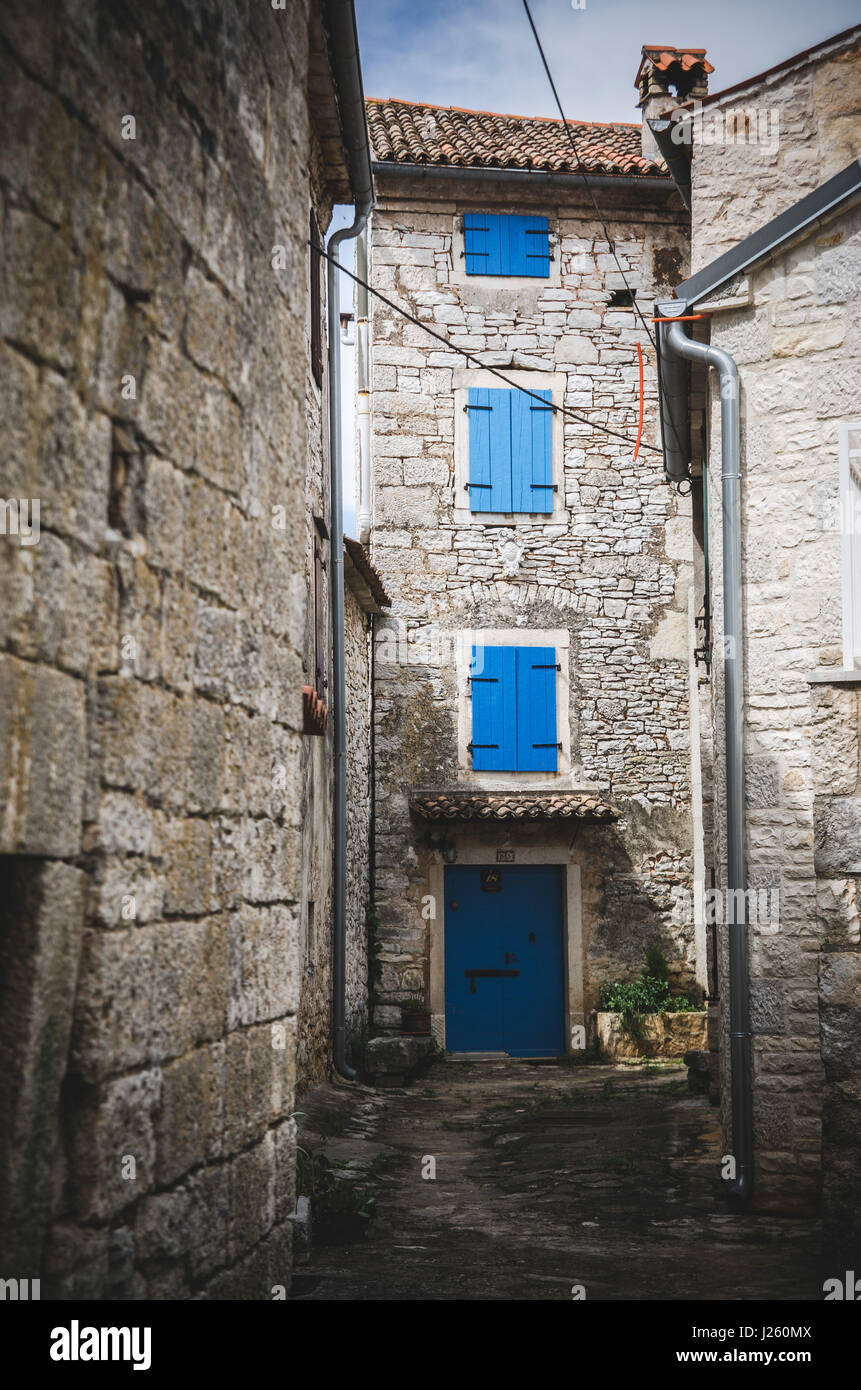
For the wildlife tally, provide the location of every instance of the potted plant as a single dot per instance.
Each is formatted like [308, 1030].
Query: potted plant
[415, 1016]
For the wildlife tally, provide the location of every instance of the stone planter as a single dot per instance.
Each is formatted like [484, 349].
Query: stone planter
[660, 1035]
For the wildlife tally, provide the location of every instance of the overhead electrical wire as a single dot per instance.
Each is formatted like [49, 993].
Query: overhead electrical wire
[582, 170]
[471, 357]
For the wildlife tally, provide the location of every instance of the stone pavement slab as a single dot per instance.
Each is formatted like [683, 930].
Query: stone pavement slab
[547, 1176]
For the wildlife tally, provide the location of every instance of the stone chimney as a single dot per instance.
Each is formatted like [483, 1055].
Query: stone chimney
[667, 78]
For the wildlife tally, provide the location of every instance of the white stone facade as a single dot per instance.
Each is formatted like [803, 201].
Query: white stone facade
[612, 565]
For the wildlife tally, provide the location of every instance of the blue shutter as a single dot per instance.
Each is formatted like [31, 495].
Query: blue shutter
[536, 237]
[515, 248]
[493, 682]
[532, 452]
[481, 243]
[506, 244]
[489, 450]
[537, 737]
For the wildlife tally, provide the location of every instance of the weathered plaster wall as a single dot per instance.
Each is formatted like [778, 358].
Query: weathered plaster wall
[613, 568]
[153, 778]
[799, 352]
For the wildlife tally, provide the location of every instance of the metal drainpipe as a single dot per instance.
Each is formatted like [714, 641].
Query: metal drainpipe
[741, 1187]
[363, 406]
[339, 953]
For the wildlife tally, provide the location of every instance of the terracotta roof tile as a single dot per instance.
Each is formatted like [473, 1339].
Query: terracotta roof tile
[363, 578]
[462, 805]
[664, 57]
[407, 132]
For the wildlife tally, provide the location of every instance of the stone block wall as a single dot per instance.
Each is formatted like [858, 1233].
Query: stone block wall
[770, 142]
[357, 653]
[154, 641]
[612, 568]
[799, 352]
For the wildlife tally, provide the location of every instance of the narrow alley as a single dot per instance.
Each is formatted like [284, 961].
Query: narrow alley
[430, 669]
[553, 1181]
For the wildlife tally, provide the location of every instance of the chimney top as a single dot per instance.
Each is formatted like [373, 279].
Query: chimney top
[666, 77]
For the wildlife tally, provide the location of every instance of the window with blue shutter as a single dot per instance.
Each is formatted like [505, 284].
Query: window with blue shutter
[506, 244]
[514, 709]
[510, 451]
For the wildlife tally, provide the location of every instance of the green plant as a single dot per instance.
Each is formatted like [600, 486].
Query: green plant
[634, 999]
[681, 1004]
[650, 994]
[657, 967]
[340, 1210]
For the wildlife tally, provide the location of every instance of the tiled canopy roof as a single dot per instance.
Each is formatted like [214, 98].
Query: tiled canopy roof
[407, 132]
[499, 806]
[363, 578]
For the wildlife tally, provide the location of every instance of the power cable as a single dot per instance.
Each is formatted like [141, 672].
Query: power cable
[471, 357]
[598, 213]
[582, 170]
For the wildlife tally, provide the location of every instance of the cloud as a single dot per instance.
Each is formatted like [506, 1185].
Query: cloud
[481, 54]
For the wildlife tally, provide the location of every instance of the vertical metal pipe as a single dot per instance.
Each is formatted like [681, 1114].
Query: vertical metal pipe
[363, 514]
[338, 699]
[741, 1186]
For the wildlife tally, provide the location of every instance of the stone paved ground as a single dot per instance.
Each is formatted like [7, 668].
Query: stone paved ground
[547, 1176]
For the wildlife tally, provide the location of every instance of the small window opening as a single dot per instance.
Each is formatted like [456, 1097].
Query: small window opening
[622, 299]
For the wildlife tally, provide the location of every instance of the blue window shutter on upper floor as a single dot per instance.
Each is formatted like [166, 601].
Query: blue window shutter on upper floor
[494, 709]
[531, 452]
[481, 243]
[536, 235]
[537, 738]
[528, 246]
[489, 450]
[506, 244]
[514, 709]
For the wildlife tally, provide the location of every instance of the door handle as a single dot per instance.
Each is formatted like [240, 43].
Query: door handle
[510, 957]
[473, 975]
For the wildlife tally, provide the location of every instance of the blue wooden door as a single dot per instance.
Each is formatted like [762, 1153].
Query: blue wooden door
[503, 960]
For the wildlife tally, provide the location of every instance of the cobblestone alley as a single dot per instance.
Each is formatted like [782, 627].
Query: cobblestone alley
[547, 1177]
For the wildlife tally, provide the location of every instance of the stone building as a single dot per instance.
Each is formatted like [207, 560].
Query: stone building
[776, 250]
[536, 686]
[165, 785]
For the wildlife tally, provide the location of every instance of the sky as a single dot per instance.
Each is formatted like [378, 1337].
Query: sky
[481, 54]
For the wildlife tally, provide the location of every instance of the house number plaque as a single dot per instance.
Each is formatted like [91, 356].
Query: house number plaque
[505, 856]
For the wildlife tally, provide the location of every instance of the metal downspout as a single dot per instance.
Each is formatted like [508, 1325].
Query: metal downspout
[340, 20]
[363, 407]
[741, 1186]
[339, 953]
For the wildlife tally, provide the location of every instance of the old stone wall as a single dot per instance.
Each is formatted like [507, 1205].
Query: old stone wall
[609, 571]
[798, 349]
[153, 806]
[359, 634]
[762, 147]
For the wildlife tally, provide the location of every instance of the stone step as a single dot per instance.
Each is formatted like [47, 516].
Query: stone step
[394, 1061]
